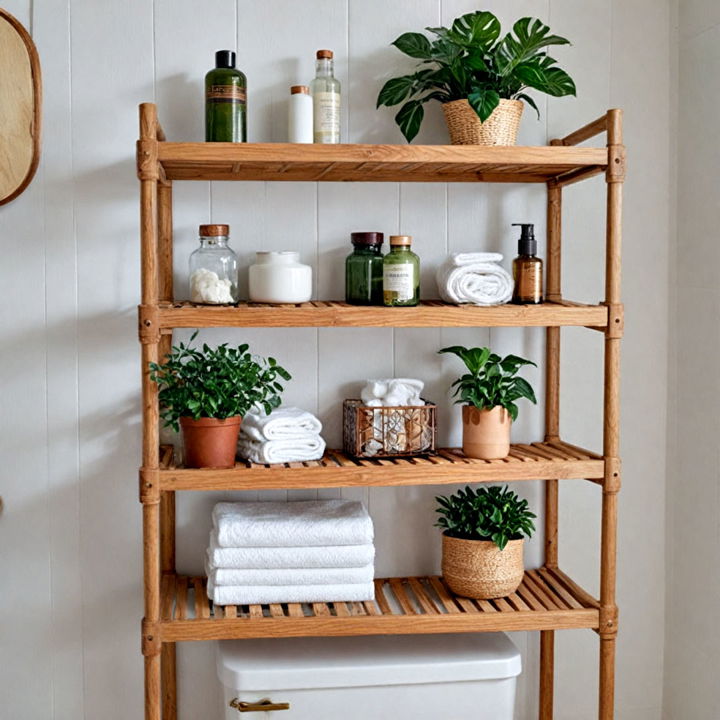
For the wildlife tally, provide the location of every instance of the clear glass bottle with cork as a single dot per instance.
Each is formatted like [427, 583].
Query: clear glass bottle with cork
[401, 273]
[527, 268]
[214, 268]
[325, 91]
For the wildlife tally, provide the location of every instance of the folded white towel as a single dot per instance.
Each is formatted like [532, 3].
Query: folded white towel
[297, 449]
[392, 392]
[292, 524]
[262, 594]
[300, 576]
[283, 423]
[474, 278]
[328, 556]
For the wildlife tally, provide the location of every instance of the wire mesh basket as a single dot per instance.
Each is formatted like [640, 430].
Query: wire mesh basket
[388, 431]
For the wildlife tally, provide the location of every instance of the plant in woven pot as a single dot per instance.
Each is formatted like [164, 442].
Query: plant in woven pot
[484, 533]
[489, 390]
[207, 391]
[480, 76]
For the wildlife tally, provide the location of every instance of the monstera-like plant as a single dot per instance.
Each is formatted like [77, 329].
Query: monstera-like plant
[471, 65]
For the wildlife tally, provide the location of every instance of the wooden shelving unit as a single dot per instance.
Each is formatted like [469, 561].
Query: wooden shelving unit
[177, 608]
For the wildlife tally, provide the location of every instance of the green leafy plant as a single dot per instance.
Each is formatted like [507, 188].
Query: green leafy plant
[470, 60]
[219, 382]
[490, 513]
[490, 380]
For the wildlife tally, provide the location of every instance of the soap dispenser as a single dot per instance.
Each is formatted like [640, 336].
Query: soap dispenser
[527, 268]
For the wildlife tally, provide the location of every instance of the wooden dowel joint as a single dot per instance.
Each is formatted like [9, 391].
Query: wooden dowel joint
[613, 472]
[615, 172]
[608, 621]
[616, 320]
[148, 324]
[149, 486]
[151, 643]
[148, 167]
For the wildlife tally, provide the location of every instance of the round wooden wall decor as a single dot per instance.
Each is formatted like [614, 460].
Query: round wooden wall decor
[20, 107]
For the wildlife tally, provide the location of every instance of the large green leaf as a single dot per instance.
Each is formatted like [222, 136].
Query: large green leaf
[551, 80]
[483, 101]
[415, 45]
[396, 90]
[530, 37]
[409, 118]
[478, 29]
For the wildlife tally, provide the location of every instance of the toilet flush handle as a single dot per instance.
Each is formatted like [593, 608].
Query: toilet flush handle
[264, 705]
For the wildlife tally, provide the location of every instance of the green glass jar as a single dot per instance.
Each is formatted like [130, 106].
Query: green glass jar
[225, 101]
[401, 273]
[364, 270]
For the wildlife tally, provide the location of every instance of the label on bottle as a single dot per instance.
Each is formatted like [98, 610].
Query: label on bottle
[398, 282]
[326, 117]
[528, 285]
[225, 94]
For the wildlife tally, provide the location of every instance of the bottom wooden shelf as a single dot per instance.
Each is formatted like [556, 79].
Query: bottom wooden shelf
[547, 600]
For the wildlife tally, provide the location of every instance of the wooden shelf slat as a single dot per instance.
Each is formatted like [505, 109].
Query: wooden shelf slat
[365, 472]
[540, 604]
[339, 314]
[376, 163]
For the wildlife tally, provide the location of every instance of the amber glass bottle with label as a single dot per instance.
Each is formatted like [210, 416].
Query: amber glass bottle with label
[225, 101]
[527, 268]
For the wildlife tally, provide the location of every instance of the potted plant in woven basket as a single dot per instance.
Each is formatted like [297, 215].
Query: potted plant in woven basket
[479, 76]
[207, 391]
[483, 536]
[489, 390]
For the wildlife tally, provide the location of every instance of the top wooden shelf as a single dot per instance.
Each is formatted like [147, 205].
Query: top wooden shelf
[378, 163]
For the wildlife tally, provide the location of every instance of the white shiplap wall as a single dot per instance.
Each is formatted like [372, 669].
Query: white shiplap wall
[70, 533]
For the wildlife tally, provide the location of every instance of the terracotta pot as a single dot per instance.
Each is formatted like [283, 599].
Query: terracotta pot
[486, 433]
[209, 442]
[466, 128]
[479, 569]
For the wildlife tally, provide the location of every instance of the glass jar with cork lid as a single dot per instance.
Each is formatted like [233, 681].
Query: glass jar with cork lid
[214, 268]
[401, 273]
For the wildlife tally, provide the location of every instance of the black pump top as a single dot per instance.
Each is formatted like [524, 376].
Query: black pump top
[527, 245]
[225, 59]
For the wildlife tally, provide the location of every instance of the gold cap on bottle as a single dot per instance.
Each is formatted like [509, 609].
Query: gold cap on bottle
[324, 54]
[298, 89]
[400, 240]
[214, 230]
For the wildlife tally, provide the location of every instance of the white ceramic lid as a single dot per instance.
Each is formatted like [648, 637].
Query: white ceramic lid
[305, 663]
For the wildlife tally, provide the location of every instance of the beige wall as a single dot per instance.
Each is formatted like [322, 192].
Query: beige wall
[70, 534]
[693, 598]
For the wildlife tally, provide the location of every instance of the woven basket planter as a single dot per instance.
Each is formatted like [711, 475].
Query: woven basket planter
[479, 569]
[465, 127]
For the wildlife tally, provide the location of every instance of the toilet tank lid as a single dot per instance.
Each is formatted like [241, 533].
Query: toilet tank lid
[305, 663]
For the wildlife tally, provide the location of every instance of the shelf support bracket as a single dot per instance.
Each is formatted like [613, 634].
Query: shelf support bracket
[148, 324]
[612, 481]
[149, 486]
[151, 643]
[608, 622]
[616, 320]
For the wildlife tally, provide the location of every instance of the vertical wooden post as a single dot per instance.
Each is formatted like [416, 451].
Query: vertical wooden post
[611, 438]
[148, 172]
[552, 430]
[167, 499]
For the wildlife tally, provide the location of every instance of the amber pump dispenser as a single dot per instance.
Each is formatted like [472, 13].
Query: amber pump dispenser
[527, 268]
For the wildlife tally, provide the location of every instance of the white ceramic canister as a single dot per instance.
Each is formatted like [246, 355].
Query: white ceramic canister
[279, 277]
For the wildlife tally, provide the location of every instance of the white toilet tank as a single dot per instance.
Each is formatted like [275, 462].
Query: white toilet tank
[391, 677]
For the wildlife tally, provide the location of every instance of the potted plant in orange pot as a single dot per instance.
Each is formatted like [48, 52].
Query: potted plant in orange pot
[489, 390]
[480, 76]
[207, 391]
[483, 538]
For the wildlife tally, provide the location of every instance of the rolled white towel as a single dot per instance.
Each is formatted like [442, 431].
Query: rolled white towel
[292, 524]
[474, 278]
[270, 558]
[298, 449]
[286, 576]
[283, 423]
[263, 594]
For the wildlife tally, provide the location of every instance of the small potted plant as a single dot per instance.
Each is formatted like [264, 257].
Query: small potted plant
[489, 390]
[479, 77]
[207, 391]
[483, 536]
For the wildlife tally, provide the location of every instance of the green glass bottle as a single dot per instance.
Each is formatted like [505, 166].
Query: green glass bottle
[364, 270]
[401, 273]
[225, 101]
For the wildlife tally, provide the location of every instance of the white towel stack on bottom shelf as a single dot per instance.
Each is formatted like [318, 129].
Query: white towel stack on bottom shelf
[276, 552]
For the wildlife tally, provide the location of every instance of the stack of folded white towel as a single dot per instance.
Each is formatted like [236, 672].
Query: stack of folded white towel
[474, 278]
[392, 392]
[299, 552]
[287, 434]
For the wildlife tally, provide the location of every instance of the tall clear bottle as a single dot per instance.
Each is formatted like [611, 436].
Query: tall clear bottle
[325, 90]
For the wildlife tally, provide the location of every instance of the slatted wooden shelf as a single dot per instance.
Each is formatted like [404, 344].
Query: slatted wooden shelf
[375, 163]
[430, 313]
[537, 461]
[546, 600]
